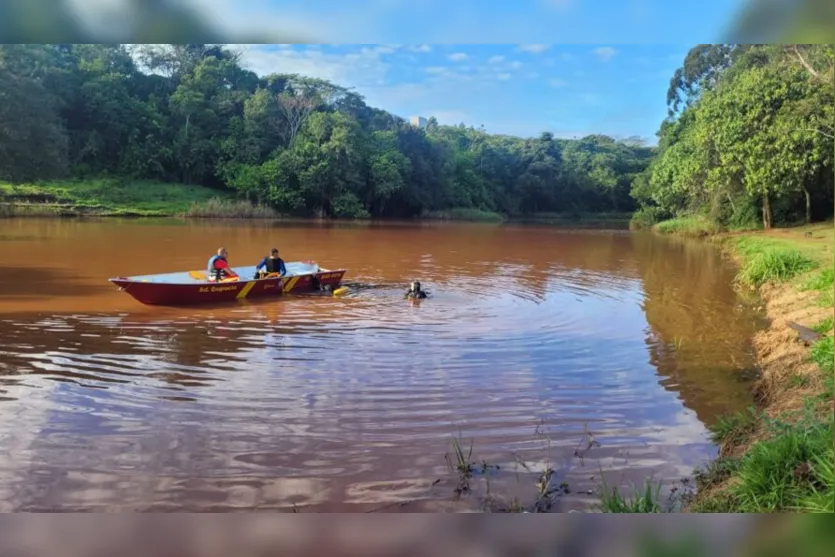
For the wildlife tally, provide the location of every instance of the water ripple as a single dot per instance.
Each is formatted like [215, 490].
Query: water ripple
[345, 403]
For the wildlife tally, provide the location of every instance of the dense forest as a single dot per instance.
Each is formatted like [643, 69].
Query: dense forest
[749, 138]
[748, 141]
[193, 114]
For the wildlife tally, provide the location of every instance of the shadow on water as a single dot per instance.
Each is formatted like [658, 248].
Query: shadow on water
[41, 282]
[349, 403]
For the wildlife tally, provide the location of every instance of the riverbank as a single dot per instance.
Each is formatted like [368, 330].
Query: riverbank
[124, 198]
[778, 456]
[104, 197]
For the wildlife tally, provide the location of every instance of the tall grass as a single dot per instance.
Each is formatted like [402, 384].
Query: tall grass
[734, 428]
[229, 209]
[693, 225]
[788, 471]
[773, 265]
[643, 501]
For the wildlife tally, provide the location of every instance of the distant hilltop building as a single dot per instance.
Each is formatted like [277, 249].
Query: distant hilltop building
[419, 121]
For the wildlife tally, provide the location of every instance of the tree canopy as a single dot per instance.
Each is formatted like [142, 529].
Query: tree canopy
[750, 132]
[192, 113]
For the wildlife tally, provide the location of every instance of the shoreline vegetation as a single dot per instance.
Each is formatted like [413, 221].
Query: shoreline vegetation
[115, 198]
[777, 456]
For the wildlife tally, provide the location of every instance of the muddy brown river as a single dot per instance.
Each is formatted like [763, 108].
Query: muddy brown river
[535, 340]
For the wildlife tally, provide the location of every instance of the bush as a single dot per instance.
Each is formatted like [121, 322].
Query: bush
[694, 225]
[647, 217]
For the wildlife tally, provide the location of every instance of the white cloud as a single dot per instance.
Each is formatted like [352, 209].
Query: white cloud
[503, 76]
[495, 60]
[363, 67]
[420, 48]
[458, 57]
[557, 83]
[605, 53]
[386, 49]
[534, 48]
[516, 64]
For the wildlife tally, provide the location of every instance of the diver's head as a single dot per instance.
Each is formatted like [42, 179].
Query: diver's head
[415, 287]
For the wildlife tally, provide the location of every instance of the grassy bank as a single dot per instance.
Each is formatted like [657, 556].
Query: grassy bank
[694, 226]
[103, 197]
[778, 456]
[124, 198]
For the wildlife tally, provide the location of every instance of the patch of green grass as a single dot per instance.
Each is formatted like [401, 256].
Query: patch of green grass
[822, 354]
[788, 471]
[822, 500]
[111, 196]
[773, 265]
[824, 280]
[734, 428]
[824, 326]
[463, 214]
[694, 225]
[643, 501]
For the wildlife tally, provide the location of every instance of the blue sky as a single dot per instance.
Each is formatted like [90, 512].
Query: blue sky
[569, 90]
[606, 67]
[480, 21]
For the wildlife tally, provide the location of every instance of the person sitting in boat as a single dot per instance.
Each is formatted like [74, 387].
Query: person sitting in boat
[415, 292]
[271, 265]
[218, 267]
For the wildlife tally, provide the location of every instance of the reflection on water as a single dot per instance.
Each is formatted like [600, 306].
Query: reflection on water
[349, 403]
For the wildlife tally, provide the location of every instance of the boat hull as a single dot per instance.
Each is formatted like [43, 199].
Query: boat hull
[152, 292]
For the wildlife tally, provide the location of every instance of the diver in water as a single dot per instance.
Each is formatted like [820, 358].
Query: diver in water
[415, 292]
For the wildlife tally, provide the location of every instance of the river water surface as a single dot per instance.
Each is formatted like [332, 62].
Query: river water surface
[534, 339]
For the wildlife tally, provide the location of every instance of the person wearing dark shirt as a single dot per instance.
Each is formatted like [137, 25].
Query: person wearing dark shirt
[271, 264]
[415, 292]
[218, 267]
